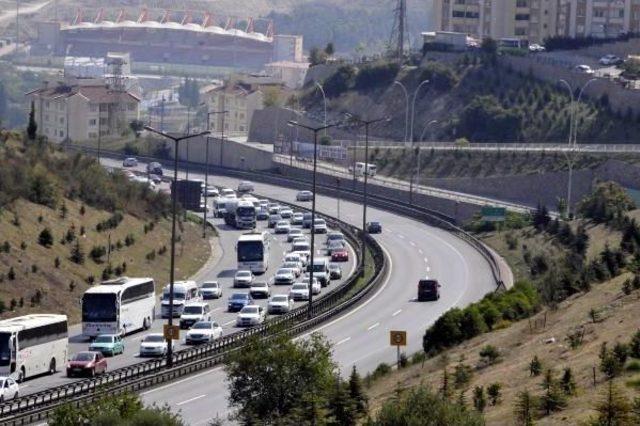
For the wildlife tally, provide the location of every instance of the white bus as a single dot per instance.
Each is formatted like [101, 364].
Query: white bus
[32, 345]
[118, 306]
[253, 252]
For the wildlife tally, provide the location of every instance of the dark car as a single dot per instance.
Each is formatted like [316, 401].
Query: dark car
[86, 363]
[306, 220]
[237, 301]
[428, 290]
[374, 227]
[154, 168]
[340, 255]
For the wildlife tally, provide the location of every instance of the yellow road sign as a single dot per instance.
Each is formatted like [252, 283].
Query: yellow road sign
[171, 332]
[398, 338]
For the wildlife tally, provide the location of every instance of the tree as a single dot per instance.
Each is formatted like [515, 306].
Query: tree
[341, 407]
[607, 201]
[490, 354]
[484, 119]
[524, 409]
[634, 345]
[535, 366]
[479, 400]
[462, 375]
[45, 238]
[553, 398]
[445, 388]
[136, 126]
[419, 406]
[613, 408]
[541, 217]
[494, 393]
[317, 56]
[610, 364]
[189, 93]
[567, 382]
[32, 127]
[272, 97]
[77, 253]
[329, 49]
[489, 47]
[274, 379]
[356, 393]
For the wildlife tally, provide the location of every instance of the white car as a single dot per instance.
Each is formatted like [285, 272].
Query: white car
[320, 226]
[293, 233]
[294, 257]
[243, 279]
[212, 191]
[583, 69]
[284, 276]
[130, 162]
[251, 315]
[286, 212]
[304, 256]
[304, 196]
[193, 313]
[203, 332]
[335, 236]
[211, 290]
[9, 389]
[297, 218]
[282, 227]
[245, 187]
[316, 287]
[610, 60]
[260, 289]
[299, 291]
[534, 47]
[154, 344]
[227, 193]
[280, 304]
[296, 267]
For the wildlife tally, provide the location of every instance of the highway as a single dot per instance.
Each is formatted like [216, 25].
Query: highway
[361, 336]
[221, 270]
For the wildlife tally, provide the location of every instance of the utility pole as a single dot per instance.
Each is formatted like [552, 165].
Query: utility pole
[17, 25]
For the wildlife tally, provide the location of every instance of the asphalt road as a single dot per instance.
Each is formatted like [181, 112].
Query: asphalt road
[361, 336]
[222, 271]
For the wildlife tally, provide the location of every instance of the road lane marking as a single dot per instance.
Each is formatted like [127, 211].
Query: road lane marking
[195, 398]
[343, 341]
[426, 260]
[180, 381]
[229, 322]
[401, 236]
[412, 243]
[373, 326]
[420, 251]
[396, 312]
[428, 269]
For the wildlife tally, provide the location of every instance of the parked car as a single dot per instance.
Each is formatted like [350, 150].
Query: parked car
[130, 162]
[280, 304]
[10, 389]
[335, 271]
[282, 227]
[108, 344]
[340, 255]
[87, 363]
[251, 315]
[243, 278]
[237, 301]
[296, 218]
[320, 226]
[583, 69]
[304, 196]
[155, 168]
[193, 313]
[374, 227]
[299, 291]
[610, 60]
[428, 290]
[260, 290]
[203, 332]
[245, 187]
[211, 290]
[154, 344]
[293, 233]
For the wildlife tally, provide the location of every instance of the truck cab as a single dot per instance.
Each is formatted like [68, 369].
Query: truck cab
[428, 290]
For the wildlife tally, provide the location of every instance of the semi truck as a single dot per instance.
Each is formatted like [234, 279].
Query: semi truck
[240, 214]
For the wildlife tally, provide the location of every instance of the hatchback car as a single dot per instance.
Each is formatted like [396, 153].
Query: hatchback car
[304, 196]
[243, 279]
[211, 290]
[154, 344]
[286, 213]
[296, 218]
[86, 363]
[108, 344]
[237, 301]
[293, 233]
[320, 226]
[251, 315]
[335, 245]
[203, 332]
[299, 291]
[273, 220]
[9, 389]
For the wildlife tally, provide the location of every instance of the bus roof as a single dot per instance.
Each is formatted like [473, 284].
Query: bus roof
[116, 286]
[30, 321]
[253, 236]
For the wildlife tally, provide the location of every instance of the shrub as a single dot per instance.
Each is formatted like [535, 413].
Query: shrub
[610, 363]
[111, 223]
[129, 240]
[634, 345]
[77, 253]
[376, 75]
[462, 375]
[489, 354]
[11, 275]
[97, 252]
[340, 81]
[494, 393]
[479, 400]
[607, 201]
[45, 238]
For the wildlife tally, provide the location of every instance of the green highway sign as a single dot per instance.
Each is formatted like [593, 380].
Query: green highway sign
[493, 214]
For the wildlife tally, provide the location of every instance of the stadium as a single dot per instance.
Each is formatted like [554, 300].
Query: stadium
[176, 38]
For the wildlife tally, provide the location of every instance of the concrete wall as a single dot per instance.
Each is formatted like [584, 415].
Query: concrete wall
[233, 154]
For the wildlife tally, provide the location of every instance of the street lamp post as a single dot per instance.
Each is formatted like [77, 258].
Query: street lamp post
[406, 114]
[417, 178]
[174, 197]
[324, 99]
[413, 106]
[315, 131]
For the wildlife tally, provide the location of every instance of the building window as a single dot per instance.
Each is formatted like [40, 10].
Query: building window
[93, 107]
[598, 13]
[61, 120]
[93, 122]
[103, 108]
[103, 121]
[46, 118]
[48, 104]
[131, 107]
[61, 133]
[521, 31]
[522, 16]
[522, 3]
[93, 135]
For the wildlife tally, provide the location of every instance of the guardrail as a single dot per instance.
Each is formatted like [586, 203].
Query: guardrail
[37, 406]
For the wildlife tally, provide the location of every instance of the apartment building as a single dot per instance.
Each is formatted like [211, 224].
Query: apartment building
[240, 100]
[534, 20]
[82, 110]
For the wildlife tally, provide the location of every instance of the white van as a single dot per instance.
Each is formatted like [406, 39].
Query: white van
[220, 206]
[183, 292]
[371, 169]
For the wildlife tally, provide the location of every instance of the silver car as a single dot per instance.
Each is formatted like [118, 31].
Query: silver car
[243, 279]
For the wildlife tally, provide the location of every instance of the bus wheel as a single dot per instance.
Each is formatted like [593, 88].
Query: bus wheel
[21, 375]
[145, 324]
[52, 366]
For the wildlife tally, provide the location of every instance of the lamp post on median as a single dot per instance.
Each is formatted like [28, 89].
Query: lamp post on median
[324, 99]
[174, 196]
[417, 178]
[406, 113]
[413, 106]
[315, 131]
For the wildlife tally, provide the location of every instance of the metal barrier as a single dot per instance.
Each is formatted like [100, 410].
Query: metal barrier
[38, 406]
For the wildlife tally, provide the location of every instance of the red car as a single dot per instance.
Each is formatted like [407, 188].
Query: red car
[340, 255]
[86, 362]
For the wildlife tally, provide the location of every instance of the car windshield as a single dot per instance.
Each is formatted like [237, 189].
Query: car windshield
[243, 274]
[192, 310]
[104, 339]
[290, 265]
[154, 338]
[201, 325]
[283, 223]
[249, 310]
[83, 356]
[295, 231]
[239, 296]
[177, 295]
[335, 237]
[260, 284]
[319, 222]
[283, 271]
[279, 298]
[210, 285]
[300, 286]
[334, 267]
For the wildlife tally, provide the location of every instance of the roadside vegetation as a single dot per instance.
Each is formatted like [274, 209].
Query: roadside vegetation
[66, 223]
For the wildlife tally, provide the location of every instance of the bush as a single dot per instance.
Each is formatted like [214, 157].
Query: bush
[376, 75]
[441, 77]
[634, 345]
[462, 375]
[97, 252]
[489, 354]
[129, 240]
[608, 201]
[340, 81]
[485, 120]
[45, 238]
[494, 393]
[110, 223]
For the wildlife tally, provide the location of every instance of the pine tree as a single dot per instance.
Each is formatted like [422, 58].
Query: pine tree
[32, 127]
[614, 408]
[356, 392]
[479, 400]
[77, 254]
[493, 391]
[525, 406]
[535, 366]
[45, 238]
[553, 398]
[342, 409]
[445, 390]
[567, 382]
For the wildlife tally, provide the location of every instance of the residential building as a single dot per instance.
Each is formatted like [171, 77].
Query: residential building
[292, 74]
[82, 110]
[240, 100]
[601, 18]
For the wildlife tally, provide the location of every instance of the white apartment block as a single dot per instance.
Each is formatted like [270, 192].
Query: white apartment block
[240, 101]
[534, 20]
[82, 111]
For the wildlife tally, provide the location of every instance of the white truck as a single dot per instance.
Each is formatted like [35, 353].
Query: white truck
[240, 214]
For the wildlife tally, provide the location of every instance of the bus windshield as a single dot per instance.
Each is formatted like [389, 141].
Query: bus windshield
[5, 349]
[250, 251]
[99, 307]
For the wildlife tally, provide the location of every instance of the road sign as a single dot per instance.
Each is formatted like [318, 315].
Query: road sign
[493, 214]
[398, 338]
[171, 332]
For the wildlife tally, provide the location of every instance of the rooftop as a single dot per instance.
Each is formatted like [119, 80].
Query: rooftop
[95, 93]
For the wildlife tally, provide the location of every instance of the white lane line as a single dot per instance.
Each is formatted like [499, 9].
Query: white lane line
[412, 243]
[195, 398]
[229, 322]
[420, 251]
[343, 341]
[216, 309]
[396, 312]
[180, 381]
[401, 236]
[426, 260]
[373, 326]
[428, 269]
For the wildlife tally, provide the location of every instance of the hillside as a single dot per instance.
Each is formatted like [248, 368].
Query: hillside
[82, 207]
